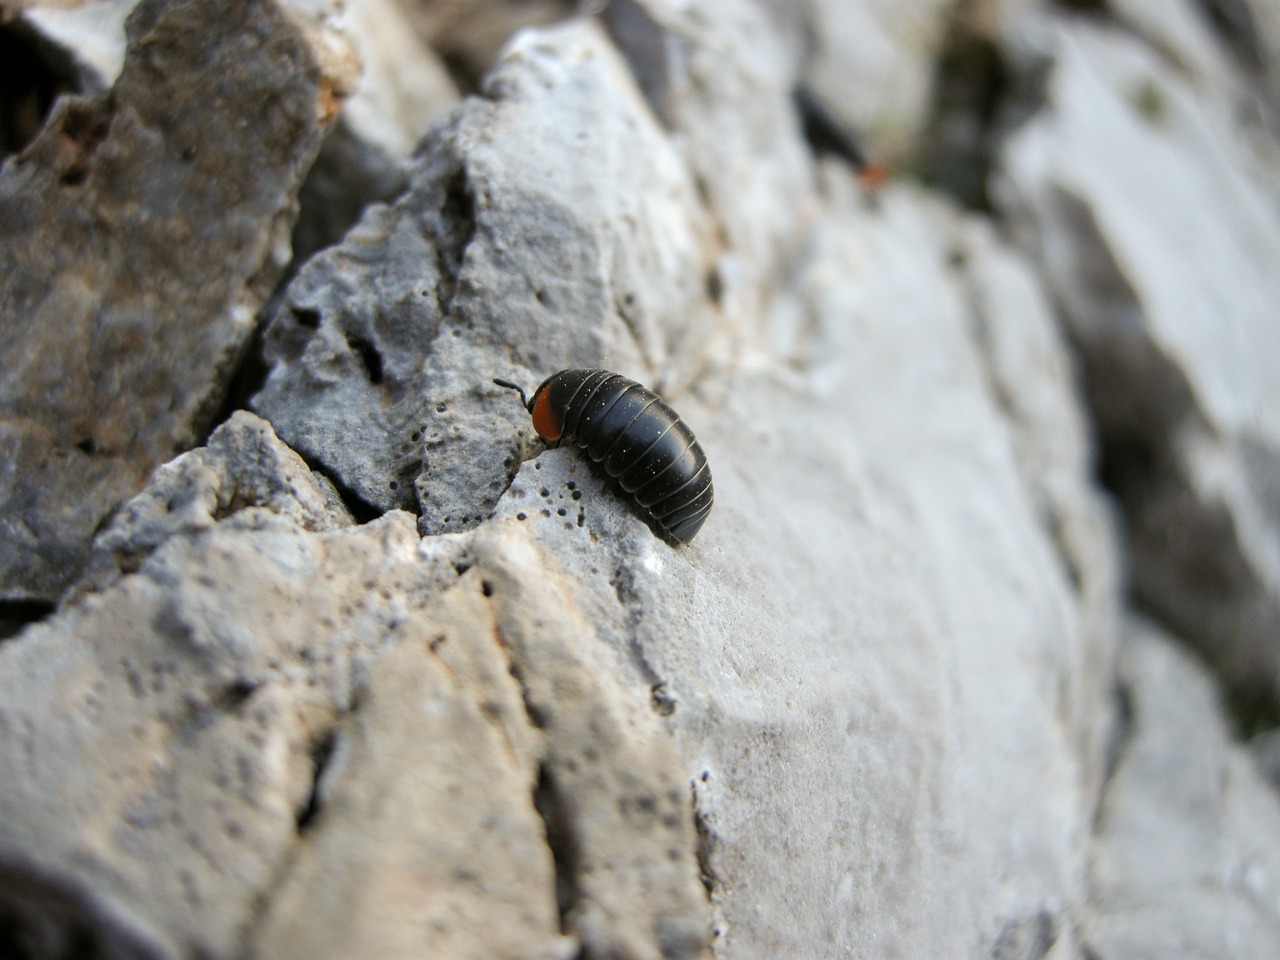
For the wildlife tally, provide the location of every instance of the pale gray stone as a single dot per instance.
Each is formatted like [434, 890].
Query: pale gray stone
[425, 839]
[1186, 854]
[244, 467]
[502, 260]
[1159, 245]
[175, 717]
[263, 719]
[138, 236]
[868, 61]
[868, 712]
[877, 595]
[403, 88]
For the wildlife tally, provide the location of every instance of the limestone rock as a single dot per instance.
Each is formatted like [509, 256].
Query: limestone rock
[423, 837]
[824, 699]
[501, 260]
[1186, 856]
[403, 88]
[869, 712]
[138, 236]
[177, 716]
[244, 467]
[1160, 246]
[470, 34]
[92, 35]
[866, 61]
[267, 718]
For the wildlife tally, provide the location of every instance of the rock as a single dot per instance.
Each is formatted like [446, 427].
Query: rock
[501, 260]
[872, 710]
[403, 88]
[91, 35]
[141, 231]
[470, 34]
[245, 467]
[178, 716]
[1157, 243]
[732, 121]
[423, 834]
[824, 699]
[1186, 855]
[868, 62]
[278, 717]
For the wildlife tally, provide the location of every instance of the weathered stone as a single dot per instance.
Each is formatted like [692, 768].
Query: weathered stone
[403, 88]
[1186, 855]
[138, 236]
[279, 717]
[91, 34]
[175, 716]
[424, 837]
[871, 62]
[909, 593]
[1160, 249]
[732, 122]
[869, 707]
[470, 34]
[501, 260]
[243, 468]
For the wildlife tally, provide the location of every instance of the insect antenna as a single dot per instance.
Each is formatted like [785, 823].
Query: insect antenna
[517, 388]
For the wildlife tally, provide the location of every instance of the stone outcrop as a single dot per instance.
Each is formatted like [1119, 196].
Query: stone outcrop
[373, 671]
[140, 233]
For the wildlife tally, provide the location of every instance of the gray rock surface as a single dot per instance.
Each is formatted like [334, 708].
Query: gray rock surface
[384, 347]
[139, 234]
[256, 695]
[1186, 855]
[1159, 244]
[891, 702]
[403, 87]
[821, 739]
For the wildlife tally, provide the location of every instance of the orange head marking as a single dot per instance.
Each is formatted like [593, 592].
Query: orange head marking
[546, 419]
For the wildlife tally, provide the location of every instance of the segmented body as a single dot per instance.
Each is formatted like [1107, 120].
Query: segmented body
[638, 440]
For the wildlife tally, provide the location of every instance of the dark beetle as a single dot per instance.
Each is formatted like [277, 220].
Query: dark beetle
[639, 440]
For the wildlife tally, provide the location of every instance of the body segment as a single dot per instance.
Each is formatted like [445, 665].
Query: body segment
[637, 439]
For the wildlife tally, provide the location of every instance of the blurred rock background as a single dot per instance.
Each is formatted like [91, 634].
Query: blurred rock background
[308, 647]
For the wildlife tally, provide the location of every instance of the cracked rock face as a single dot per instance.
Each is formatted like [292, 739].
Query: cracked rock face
[301, 684]
[1159, 243]
[374, 672]
[139, 234]
[1187, 853]
[384, 348]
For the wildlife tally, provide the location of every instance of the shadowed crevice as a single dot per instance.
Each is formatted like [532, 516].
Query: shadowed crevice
[17, 615]
[321, 754]
[552, 807]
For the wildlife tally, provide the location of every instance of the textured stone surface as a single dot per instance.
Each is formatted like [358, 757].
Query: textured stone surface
[1160, 245]
[139, 234]
[245, 467]
[1186, 856]
[92, 34]
[424, 838]
[262, 719]
[403, 87]
[175, 717]
[502, 258]
[823, 720]
[865, 60]
[873, 710]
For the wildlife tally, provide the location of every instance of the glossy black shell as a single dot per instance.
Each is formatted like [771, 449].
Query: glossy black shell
[639, 441]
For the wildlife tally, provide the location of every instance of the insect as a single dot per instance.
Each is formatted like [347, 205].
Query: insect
[639, 440]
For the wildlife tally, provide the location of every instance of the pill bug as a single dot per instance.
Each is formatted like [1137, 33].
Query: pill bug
[639, 441]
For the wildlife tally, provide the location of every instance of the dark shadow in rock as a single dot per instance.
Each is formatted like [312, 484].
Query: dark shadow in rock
[970, 85]
[33, 73]
[16, 616]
